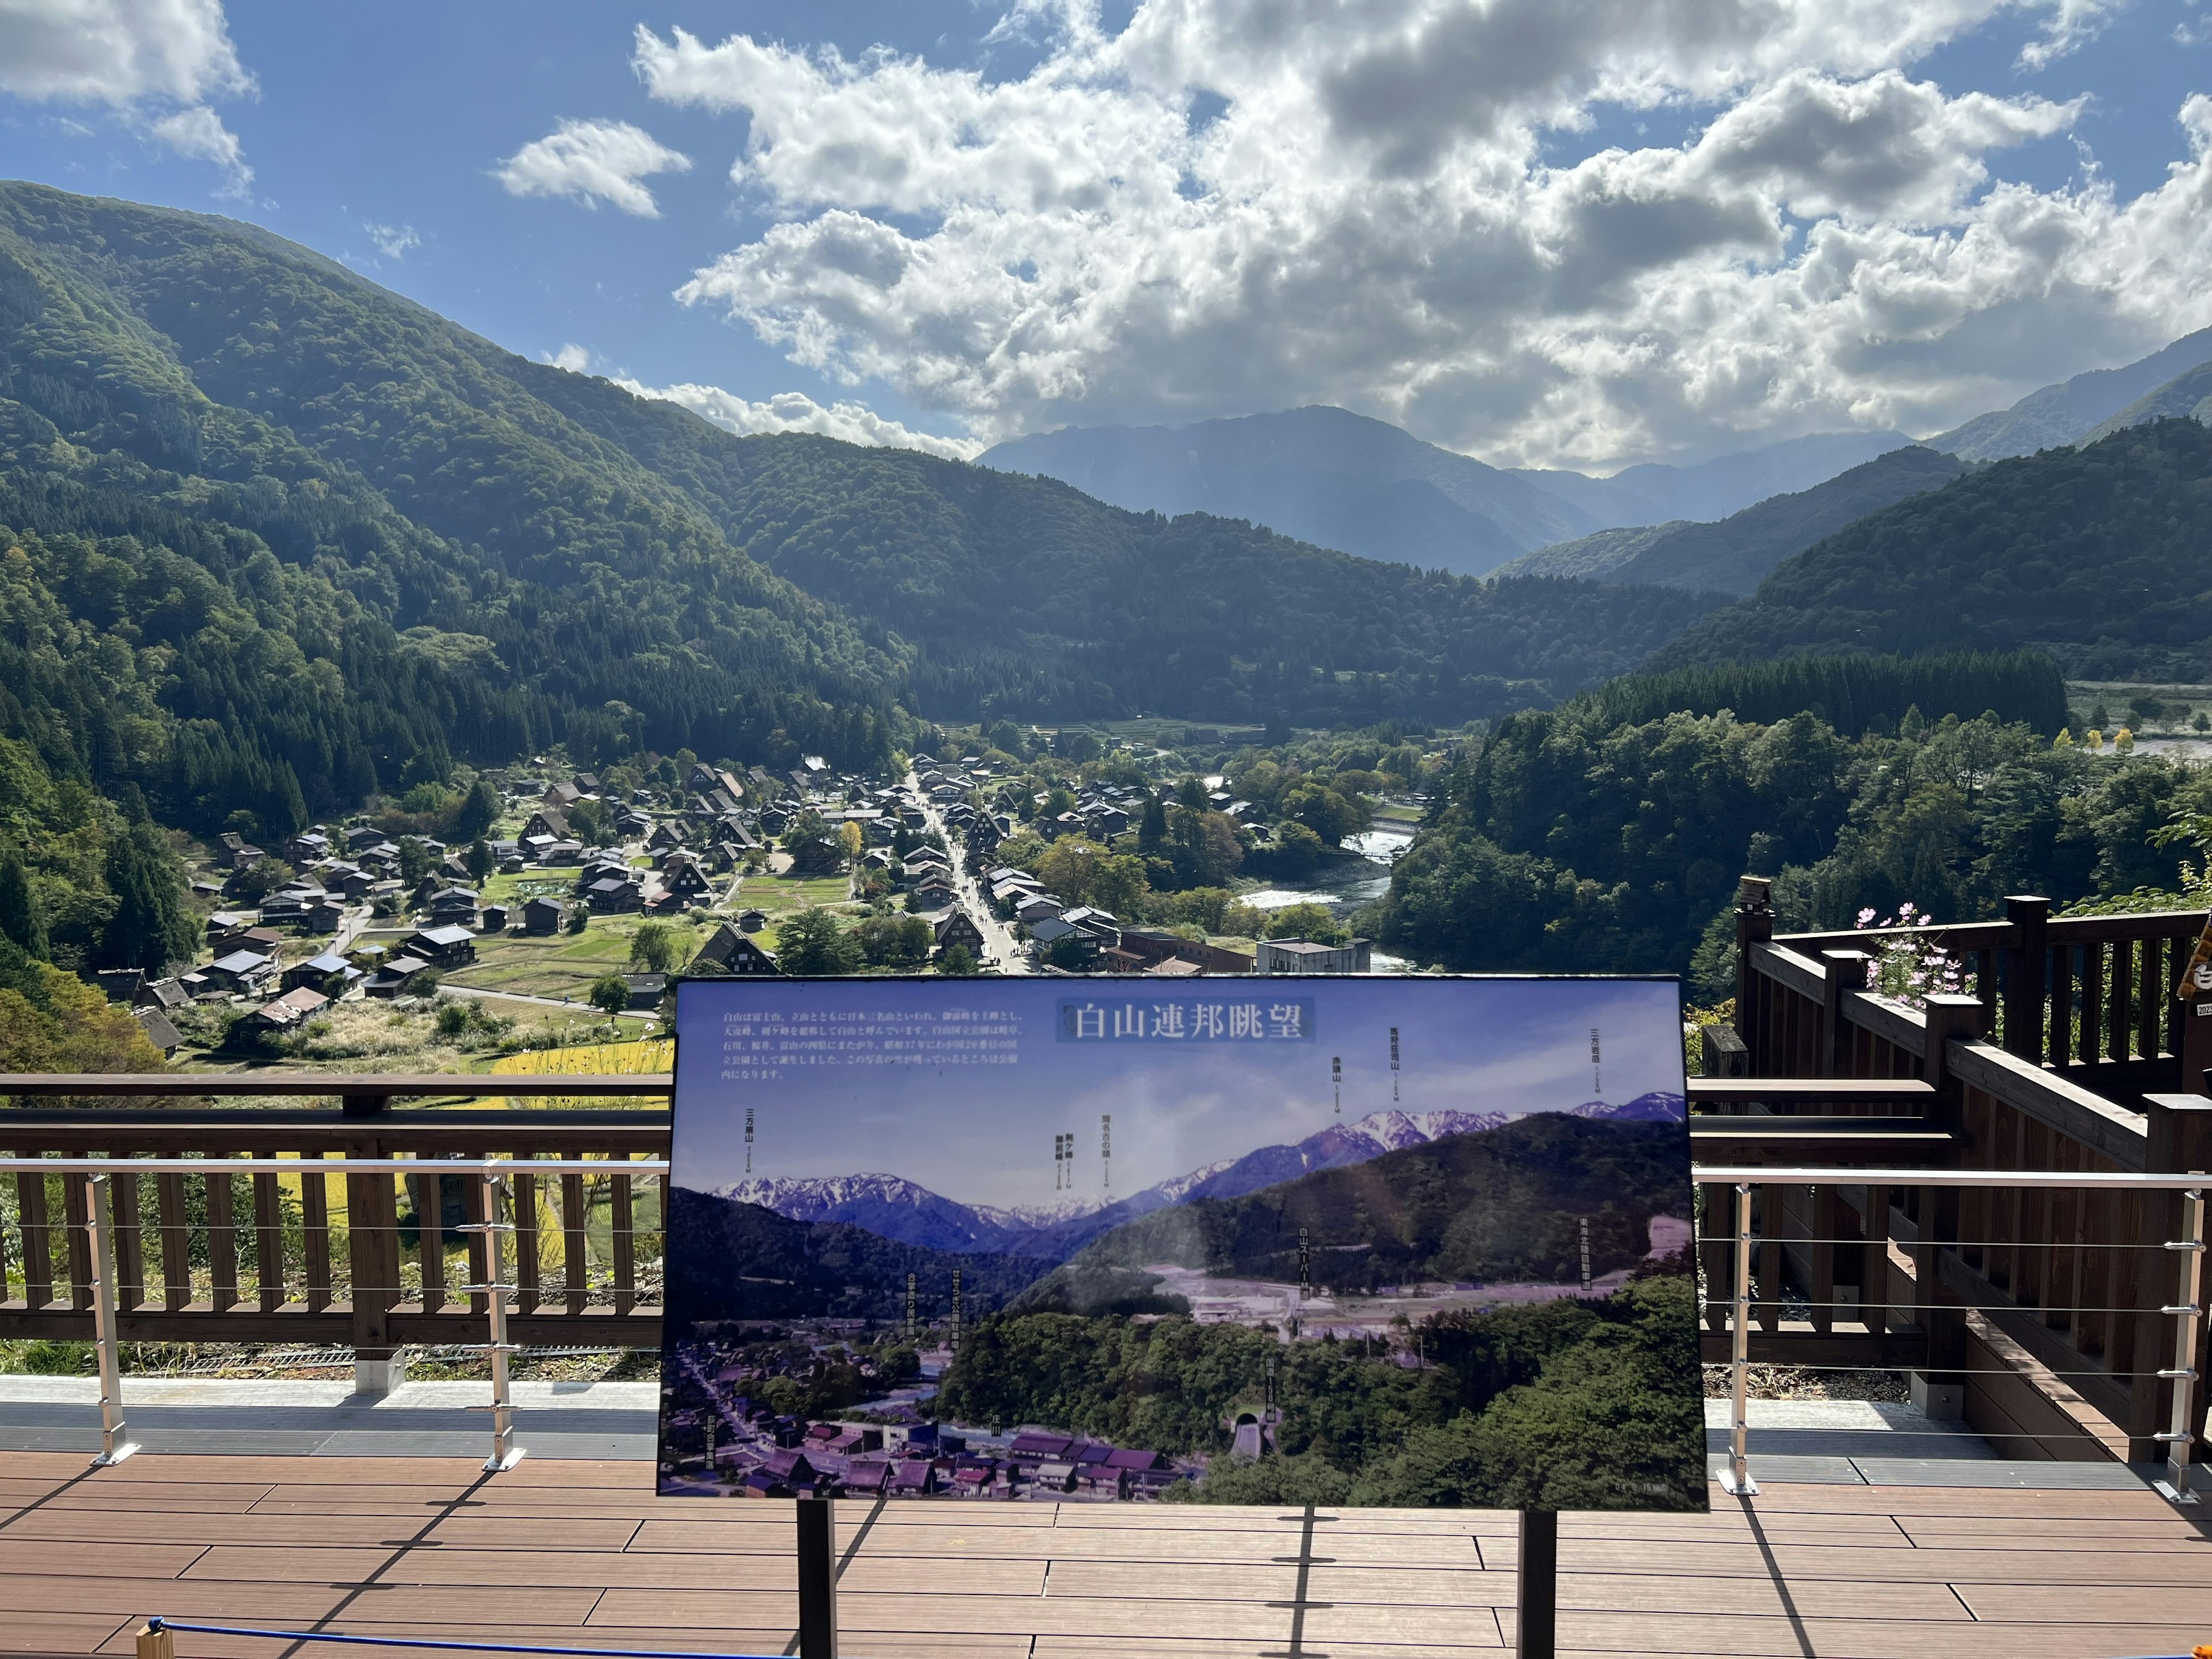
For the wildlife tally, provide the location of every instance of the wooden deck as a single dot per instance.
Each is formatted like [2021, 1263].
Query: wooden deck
[579, 1552]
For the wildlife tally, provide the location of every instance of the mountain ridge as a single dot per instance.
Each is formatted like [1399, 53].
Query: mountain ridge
[1735, 555]
[907, 1212]
[2078, 409]
[2094, 556]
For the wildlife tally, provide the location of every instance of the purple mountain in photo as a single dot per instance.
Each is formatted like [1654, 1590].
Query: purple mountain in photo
[895, 1208]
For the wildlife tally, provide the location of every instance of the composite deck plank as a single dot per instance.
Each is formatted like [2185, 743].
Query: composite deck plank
[43, 1632]
[582, 1552]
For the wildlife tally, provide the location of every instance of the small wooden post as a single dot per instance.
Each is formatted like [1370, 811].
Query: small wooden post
[2025, 982]
[817, 1579]
[1847, 970]
[1537, 1606]
[156, 1641]
[1755, 925]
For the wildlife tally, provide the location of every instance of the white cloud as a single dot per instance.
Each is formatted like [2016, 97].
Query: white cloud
[591, 162]
[158, 63]
[573, 357]
[199, 135]
[794, 411]
[394, 242]
[118, 52]
[1371, 220]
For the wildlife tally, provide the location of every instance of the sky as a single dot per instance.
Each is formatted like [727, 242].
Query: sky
[1578, 233]
[832, 1095]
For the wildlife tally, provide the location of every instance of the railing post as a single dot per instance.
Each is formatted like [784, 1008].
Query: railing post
[1940, 1390]
[2154, 1390]
[817, 1579]
[114, 1448]
[1737, 1481]
[1755, 925]
[2182, 1377]
[505, 1454]
[373, 1251]
[1846, 971]
[2026, 975]
[2193, 988]
[1724, 1055]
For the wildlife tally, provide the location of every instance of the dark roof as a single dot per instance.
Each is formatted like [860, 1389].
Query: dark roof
[1131, 1457]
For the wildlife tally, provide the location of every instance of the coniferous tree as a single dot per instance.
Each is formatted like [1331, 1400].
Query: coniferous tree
[20, 919]
[151, 926]
[1153, 827]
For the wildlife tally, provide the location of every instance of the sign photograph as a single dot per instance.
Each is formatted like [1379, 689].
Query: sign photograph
[1409, 1243]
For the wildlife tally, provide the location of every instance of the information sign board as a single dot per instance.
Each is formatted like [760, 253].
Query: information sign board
[1355, 1240]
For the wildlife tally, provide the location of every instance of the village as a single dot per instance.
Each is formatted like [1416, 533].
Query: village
[580, 905]
[729, 1440]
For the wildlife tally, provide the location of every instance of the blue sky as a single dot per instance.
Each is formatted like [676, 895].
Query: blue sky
[1575, 231]
[983, 1132]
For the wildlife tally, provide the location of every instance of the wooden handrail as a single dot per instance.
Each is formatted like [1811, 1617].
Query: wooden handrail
[1725, 1090]
[346, 1085]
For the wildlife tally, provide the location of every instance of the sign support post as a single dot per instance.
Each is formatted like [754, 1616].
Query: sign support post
[817, 1579]
[1537, 1606]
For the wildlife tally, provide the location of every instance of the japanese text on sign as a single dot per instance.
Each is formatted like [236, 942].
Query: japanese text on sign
[1084, 1020]
[759, 1045]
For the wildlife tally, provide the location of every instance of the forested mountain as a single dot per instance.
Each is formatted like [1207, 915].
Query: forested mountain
[1733, 555]
[642, 577]
[814, 1269]
[2087, 407]
[2098, 555]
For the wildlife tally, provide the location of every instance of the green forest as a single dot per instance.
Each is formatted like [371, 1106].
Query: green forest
[1580, 1404]
[2097, 556]
[1567, 841]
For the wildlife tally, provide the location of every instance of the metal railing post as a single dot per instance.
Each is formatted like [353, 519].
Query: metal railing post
[505, 1454]
[2183, 1372]
[114, 1448]
[1737, 1480]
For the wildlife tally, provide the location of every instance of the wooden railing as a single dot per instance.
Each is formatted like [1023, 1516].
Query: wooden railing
[2069, 1051]
[247, 1253]
[1900, 1275]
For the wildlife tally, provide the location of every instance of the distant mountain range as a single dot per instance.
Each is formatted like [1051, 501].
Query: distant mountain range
[1323, 475]
[1734, 555]
[892, 1207]
[2088, 406]
[1501, 1203]
[1657, 492]
[1364, 487]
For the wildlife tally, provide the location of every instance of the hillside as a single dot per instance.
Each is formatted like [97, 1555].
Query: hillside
[2187, 397]
[1733, 555]
[1500, 1203]
[2098, 555]
[635, 576]
[2085, 408]
[1594, 557]
[732, 1261]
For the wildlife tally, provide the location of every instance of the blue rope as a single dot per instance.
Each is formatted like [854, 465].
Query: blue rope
[160, 1623]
